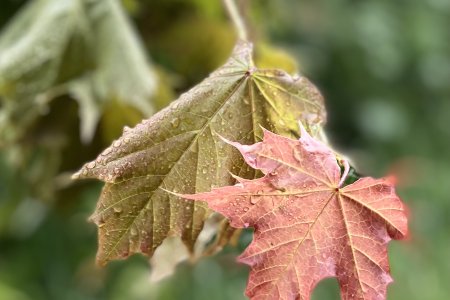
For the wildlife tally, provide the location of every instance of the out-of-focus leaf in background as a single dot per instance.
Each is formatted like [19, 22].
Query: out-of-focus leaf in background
[84, 48]
[55, 51]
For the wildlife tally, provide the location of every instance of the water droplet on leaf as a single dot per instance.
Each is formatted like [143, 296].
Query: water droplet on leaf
[297, 154]
[133, 231]
[175, 122]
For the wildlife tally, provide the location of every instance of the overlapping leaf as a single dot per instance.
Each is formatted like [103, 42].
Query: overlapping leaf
[172, 251]
[308, 227]
[179, 149]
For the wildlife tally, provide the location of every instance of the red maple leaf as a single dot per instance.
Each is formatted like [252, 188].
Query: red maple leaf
[307, 226]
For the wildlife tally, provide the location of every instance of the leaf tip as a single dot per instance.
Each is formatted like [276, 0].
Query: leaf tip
[303, 132]
[100, 262]
[80, 174]
[234, 144]
[76, 175]
[240, 180]
[392, 179]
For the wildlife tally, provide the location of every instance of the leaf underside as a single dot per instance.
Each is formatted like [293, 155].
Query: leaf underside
[307, 227]
[179, 149]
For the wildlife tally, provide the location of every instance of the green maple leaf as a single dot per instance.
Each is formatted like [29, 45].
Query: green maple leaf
[179, 149]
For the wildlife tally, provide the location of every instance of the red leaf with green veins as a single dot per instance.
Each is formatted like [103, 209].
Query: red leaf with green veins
[308, 227]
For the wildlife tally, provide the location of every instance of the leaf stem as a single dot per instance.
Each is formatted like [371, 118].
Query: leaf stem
[237, 19]
[346, 165]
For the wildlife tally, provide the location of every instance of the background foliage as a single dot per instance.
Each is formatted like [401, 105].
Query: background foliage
[384, 68]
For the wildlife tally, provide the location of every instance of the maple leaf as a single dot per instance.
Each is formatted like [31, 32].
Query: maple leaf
[308, 227]
[179, 149]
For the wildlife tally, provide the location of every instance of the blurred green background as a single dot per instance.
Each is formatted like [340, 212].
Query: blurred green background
[383, 66]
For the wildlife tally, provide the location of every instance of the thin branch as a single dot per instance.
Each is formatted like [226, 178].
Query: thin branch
[237, 19]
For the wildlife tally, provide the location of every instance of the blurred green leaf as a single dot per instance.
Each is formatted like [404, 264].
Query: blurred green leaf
[7, 292]
[115, 114]
[194, 46]
[270, 57]
[85, 48]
